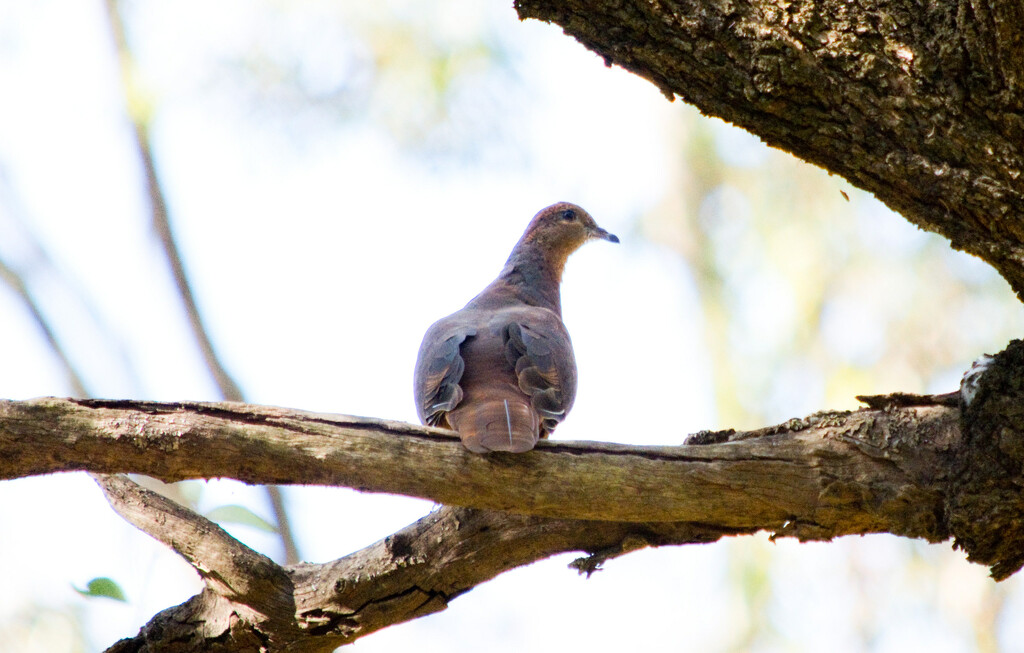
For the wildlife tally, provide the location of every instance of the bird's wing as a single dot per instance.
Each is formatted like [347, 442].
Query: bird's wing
[538, 346]
[439, 368]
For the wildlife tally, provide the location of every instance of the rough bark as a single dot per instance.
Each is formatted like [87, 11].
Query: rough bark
[410, 574]
[985, 505]
[931, 467]
[920, 104]
[800, 474]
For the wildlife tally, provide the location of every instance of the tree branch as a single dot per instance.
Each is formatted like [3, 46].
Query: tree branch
[235, 571]
[14, 280]
[247, 595]
[915, 466]
[799, 474]
[160, 220]
[138, 112]
[923, 108]
[410, 574]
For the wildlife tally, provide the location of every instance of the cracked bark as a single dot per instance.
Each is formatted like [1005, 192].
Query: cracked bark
[921, 105]
[917, 466]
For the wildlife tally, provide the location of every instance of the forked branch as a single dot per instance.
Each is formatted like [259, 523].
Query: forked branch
[928, 467]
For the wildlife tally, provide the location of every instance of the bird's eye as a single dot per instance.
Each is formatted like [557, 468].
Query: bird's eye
[568, 215]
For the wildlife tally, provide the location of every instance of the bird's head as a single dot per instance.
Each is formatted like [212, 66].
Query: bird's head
[560, 229]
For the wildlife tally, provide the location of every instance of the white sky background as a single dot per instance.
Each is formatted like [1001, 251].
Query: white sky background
[318, 270]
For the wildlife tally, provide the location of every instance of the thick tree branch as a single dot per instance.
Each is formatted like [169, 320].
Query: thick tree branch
[946, 479]
[915, 466]
[801, 474]
[409, 574]
[922, 106]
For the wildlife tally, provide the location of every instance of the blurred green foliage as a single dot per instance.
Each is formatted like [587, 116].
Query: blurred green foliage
[236, 514]
[103, 587]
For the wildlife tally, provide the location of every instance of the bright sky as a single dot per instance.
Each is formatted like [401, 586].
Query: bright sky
[318, 271]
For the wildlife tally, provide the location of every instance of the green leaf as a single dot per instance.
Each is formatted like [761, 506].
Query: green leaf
[102, 587]
[240, 515]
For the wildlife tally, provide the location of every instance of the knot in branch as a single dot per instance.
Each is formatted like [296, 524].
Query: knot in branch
[985, 508]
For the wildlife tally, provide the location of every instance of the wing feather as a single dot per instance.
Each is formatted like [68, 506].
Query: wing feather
[539, 348]
[439, 368]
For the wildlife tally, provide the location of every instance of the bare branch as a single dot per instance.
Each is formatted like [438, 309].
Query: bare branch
[828, 475]
[410, 574]
[234, 570]
[161, 223]
[17, 284]
[138, 114]
[909, 468]
[283, 523]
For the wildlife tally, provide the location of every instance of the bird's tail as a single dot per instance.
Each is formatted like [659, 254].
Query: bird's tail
[498, 425]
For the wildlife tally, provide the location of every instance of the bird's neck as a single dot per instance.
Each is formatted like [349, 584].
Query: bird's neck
[533, 275]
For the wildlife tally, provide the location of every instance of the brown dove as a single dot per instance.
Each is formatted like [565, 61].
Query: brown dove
[501, 371]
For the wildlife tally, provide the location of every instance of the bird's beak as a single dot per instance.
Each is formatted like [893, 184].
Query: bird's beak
[598, 232]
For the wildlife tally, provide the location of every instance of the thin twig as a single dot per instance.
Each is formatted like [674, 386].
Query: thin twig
[16, 283]
[161, 223]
